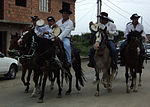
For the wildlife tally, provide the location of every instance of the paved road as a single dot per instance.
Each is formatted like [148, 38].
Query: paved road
[12, 93]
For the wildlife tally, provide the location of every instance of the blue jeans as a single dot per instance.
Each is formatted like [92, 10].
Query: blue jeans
[67, 46]
[113, 50]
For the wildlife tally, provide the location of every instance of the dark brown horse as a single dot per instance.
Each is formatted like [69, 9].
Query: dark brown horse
[133, 60]
[16, 51]
[46, 65]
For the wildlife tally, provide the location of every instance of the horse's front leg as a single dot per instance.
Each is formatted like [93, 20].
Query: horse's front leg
[134, 82]
[70, 82]
[24, 69]
[140, 80]
[77, 81]
[57, 74]
[43, 87]
[127, 80]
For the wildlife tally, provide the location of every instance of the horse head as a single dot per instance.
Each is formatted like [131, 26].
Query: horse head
[14, 47]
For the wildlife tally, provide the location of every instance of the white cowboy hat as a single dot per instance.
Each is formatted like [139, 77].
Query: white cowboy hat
[40, 22]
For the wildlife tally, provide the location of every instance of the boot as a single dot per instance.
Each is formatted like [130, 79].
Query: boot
[91, 62]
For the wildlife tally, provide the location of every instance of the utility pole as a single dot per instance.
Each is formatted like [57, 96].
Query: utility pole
[99, 4]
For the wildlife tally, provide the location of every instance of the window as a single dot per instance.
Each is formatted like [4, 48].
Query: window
[44, 5]
[21, 3]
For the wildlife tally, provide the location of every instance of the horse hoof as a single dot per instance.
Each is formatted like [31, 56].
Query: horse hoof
[97, 94]
[68, 92]
[109, 90]
[78, 88]
[40, 101]
[59, 96]
[139, 85]
[127, 91]
[33, 95]
[135, 91]
[26, 91]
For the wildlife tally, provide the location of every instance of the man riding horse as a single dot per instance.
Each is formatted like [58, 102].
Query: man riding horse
[66, 25]
[132, 26]
[111, 32]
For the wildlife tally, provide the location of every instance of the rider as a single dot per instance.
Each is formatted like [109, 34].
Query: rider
[66, 25]
[111, 32]
[34, 19]
[132, 26]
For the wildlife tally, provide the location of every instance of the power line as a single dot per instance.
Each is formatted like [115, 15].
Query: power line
[118, 7]
[116, 11]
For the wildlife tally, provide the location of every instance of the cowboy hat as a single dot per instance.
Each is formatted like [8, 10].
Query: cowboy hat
[40, 23]
[104, 15]
[134, 16]
[65, 10]
[34, 18]
[50, 18]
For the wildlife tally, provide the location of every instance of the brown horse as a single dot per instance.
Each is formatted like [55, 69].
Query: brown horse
[133, 60]
[103, 62]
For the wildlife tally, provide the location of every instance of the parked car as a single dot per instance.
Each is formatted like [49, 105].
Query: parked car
[118, 47]
[8, 66]
[147, 50]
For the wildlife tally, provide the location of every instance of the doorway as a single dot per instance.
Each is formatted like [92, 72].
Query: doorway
[3, 36]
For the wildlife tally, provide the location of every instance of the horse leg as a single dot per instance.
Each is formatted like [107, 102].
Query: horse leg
[134, 82]
[43, 87]
[127, 80]
[109, 81]
[35, 79]
[140, 80]
[70, 82]
[57, 73]
[98, 81]
[53, 80]
[62, 78]
[28, 80]
[24, 69]
[77, 79]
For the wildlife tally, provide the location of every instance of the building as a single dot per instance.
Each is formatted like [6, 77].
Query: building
[15, 15]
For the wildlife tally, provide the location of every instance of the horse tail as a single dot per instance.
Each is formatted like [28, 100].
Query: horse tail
[76, 64]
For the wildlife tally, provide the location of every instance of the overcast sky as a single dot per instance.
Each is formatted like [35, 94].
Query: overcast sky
[119, 10]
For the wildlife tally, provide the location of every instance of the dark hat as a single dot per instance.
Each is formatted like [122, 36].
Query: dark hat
[65, 10]
[34, 18]
[134, 16]
[103, 15]
[50, 18]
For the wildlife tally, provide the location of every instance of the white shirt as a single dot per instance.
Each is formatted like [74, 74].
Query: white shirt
[66, 28]
[40, 30]
[111, 28]
[139, 28]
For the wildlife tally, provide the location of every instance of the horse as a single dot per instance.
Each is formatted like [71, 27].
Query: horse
[17, 51]
[39, 50]
[103, 61]
[133, 60]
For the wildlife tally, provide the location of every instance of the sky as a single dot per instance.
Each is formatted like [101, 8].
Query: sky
[118, 10]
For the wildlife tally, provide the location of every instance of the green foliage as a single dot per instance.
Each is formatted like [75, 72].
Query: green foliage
[83, 42]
